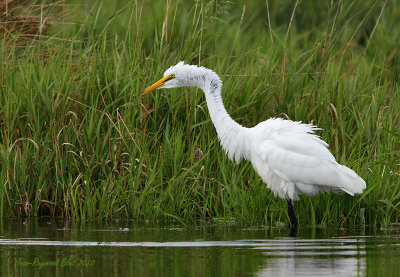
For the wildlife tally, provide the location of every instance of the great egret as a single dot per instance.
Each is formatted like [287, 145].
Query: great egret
[286, 154]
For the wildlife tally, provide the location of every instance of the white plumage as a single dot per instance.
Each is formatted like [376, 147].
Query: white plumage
[287, 155]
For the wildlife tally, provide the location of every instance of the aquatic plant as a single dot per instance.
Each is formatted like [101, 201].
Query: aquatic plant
[75, 141]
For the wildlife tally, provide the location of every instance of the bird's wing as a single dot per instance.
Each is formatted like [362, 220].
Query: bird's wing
[293, 164]
[296, 155]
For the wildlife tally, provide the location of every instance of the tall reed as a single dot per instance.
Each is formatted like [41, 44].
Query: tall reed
[77, 142]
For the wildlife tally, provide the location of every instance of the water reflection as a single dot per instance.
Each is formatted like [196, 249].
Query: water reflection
[324, 257]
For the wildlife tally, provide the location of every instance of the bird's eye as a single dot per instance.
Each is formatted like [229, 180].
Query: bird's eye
[170, 77]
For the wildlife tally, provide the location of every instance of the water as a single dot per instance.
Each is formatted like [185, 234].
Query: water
[120, 248]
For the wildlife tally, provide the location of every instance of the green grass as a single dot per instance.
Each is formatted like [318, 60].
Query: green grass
[77, 142]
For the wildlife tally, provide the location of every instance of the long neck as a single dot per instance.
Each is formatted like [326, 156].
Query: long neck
[232, 135]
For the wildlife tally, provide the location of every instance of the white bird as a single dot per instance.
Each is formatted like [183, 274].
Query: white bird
[287, 155]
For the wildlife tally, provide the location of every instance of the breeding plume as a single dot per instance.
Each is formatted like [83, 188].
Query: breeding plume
[286, 154]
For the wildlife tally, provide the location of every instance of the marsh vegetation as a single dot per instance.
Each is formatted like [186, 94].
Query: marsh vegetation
[77, 142]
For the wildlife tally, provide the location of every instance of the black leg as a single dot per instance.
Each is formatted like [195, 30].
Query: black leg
[292, 215]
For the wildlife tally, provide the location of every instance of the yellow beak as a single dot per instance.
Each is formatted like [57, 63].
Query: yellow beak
[156, 85]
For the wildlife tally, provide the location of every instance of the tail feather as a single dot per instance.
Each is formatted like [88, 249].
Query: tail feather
[351, 182]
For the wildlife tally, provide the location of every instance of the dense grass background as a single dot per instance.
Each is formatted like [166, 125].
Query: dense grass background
[77, 142]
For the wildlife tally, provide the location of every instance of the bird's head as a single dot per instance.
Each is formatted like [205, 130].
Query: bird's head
[174, 77]
[182, 75]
